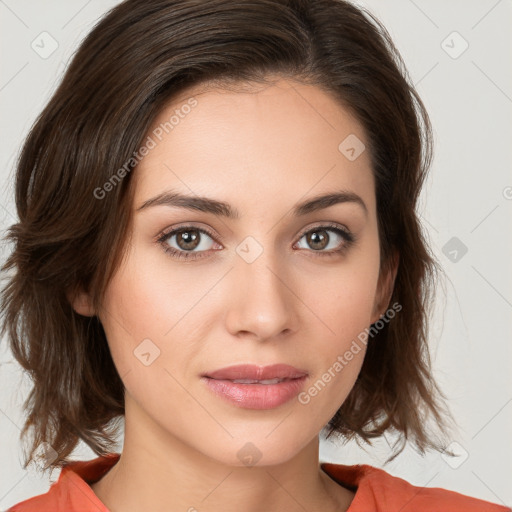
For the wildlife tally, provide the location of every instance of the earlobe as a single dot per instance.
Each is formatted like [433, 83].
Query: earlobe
[385, 287]
[81, 303]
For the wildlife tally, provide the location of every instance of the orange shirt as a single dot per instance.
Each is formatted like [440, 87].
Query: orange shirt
[375, 491]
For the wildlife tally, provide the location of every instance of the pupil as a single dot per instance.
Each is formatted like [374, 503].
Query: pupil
[318, 241]
[188, 239]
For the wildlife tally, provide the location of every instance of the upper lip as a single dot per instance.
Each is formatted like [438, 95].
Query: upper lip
[255, 372]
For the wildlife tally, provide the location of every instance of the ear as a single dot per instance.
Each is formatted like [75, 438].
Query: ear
[385, 286]
[81, 302]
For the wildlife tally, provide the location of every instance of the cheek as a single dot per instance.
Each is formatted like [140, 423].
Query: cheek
[137, 307]
[340, 343]
[145, 311]
[148, 297]
[343, 305]
[343, 298]
[156, 318]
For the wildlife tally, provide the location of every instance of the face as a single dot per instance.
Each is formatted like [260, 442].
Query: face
[260, 279]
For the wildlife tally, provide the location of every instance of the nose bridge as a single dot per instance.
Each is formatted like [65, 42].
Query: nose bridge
[262, 302]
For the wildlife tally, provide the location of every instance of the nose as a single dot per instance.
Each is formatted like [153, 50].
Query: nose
[263, 304]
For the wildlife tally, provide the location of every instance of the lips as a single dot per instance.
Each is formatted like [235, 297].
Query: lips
[254, 374]
[256, 387]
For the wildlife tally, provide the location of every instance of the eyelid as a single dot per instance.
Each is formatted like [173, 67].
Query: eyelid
[324, 224]
[188, 225]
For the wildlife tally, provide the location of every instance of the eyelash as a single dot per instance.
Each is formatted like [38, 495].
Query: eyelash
[349, 240]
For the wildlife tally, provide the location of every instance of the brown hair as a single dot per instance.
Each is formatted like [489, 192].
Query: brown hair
[141, 54]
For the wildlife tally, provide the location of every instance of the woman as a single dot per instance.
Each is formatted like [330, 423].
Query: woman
[218, 243]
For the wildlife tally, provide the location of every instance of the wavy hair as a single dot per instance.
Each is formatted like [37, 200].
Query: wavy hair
[137, 57]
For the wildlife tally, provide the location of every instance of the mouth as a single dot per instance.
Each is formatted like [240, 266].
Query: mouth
[256, 387]
[252, 372]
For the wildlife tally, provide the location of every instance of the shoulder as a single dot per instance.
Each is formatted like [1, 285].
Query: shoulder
[378, 491]
[71, 492]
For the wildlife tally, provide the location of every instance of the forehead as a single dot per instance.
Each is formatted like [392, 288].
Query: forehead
[252, 141]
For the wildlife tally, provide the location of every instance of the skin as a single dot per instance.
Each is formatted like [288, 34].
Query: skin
[262, 150]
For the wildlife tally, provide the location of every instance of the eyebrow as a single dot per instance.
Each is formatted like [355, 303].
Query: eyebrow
[220, 208]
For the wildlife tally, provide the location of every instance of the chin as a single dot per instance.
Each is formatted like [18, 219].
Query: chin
[256, 450]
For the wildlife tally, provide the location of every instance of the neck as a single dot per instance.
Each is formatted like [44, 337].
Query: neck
[159, 472]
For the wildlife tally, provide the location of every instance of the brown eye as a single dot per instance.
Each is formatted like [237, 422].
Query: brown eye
[327, 240]
[318, 239]
[187, 242]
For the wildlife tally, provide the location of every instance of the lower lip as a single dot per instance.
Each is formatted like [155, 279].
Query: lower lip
[256, 396]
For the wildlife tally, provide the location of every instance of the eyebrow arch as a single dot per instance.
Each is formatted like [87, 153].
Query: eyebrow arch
[221, 208]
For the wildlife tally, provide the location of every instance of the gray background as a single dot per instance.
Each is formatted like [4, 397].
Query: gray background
[466, 203]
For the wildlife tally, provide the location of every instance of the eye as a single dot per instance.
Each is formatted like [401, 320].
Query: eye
[186, 242]
[319, 240]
